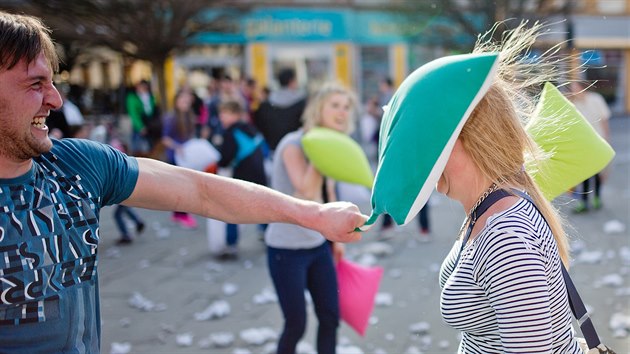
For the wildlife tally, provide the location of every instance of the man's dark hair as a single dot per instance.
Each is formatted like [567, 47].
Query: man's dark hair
[24, 37]
[285, 76]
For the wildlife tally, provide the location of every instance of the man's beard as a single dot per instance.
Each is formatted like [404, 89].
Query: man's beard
[20, 146]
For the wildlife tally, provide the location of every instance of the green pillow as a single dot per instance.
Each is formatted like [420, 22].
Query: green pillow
[338, 156]
[419, 128]
[575, 151]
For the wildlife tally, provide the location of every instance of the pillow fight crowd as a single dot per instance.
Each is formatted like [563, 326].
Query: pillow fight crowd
[502, 285]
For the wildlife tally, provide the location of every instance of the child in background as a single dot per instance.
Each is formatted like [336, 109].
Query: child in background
[242, 151]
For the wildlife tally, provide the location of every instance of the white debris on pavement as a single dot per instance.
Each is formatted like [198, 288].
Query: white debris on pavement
[413, 350]
[624, 254]
[303, 348]
[258, 336]
[216, 310]
[420, 328]
[378, 249]
[434, 267]
[160, 231]
[395, 273]
[350, 349]
[113, 253]
[125, 322]
[383, 299]
[577, 246]
[144, 264]
[214, 267]
[266, 296]
[443, 344]
[367, 260]
[120, 348]
[184, 339]
[241, 351]
[611, 280]
[229, 289]
[590, 257]
[622, 292]
[217, 340]
[614, 227]
[222, 339]
[142, 303]
[619, 324]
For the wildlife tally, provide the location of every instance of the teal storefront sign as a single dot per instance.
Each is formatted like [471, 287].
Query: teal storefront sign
[296, 25]
[320, 25]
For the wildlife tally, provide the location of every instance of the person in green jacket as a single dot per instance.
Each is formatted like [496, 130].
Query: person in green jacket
[144, 116]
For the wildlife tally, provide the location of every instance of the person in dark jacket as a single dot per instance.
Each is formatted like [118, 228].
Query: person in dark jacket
[282, 112]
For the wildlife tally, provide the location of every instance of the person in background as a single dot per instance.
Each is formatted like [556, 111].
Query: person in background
[369, 125]
[179, 127]
[242, 151]
[143, 112]
[300, 259]
[67, 121]
[53, 191]
[122, 211]
[227, 90]
[388, 229]
[249, 92]
[594, 108]
[281, 113]
[386, 90]
[200, 110]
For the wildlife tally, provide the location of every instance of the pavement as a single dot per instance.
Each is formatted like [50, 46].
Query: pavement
[166, 293]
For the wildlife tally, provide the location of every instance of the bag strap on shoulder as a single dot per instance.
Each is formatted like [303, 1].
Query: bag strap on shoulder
[575, 301]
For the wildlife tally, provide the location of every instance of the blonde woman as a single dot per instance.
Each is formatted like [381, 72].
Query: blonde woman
[503, 288]
[300, 259]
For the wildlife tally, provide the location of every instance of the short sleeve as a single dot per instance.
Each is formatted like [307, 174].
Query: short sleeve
[107, 172]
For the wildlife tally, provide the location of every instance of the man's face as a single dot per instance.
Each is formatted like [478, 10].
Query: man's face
[27, 95]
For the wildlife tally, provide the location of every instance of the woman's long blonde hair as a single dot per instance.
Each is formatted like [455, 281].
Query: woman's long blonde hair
[504, 111]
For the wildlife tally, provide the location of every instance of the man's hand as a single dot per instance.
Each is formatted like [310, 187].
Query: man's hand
[337, 221]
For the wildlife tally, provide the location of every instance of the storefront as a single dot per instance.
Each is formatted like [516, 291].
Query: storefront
[357, 48]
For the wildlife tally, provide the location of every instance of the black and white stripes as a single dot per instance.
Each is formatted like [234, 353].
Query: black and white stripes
[507, 294]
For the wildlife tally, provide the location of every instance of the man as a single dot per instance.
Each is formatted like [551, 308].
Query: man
[51, 193]
[282, 112]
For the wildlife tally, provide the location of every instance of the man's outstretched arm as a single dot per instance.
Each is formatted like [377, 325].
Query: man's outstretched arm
[162, 186]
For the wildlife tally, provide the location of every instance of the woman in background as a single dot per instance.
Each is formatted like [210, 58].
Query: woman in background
[300, 259]
[179, 127]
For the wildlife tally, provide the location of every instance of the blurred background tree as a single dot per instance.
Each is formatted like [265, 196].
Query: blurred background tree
[149, 30]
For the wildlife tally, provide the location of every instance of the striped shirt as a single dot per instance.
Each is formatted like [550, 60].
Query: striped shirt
[507, 294]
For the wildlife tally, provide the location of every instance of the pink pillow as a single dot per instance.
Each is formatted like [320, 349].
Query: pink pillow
[358, 286]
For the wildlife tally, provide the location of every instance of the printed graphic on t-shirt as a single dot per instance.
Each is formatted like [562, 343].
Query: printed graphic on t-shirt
[48, 238]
